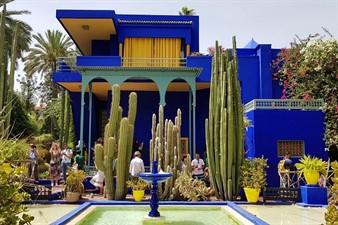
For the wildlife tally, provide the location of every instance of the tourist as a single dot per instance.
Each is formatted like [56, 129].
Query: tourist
[136, 164]
[288, 165]
[184, 163]
[32, 165]
[54, 168]
[198, 166]
[67, 155]
[79, 160]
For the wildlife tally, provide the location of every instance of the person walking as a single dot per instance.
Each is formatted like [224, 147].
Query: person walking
[136, 164]
[54, 168]
[67, 155]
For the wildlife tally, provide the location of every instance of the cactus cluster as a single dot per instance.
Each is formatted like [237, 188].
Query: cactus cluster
[117, 149]
[224, 127]
[165, 148]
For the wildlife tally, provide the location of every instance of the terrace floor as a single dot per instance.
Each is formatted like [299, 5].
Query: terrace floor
[272, 214]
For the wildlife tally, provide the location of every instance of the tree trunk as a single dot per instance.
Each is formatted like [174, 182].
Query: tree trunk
[2, 70]
[11, 77]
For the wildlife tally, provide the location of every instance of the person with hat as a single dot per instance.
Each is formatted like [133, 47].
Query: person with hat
[32, 164]
[136, 164]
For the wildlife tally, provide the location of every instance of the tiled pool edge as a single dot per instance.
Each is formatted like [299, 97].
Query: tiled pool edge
[69, 216]
[252, 218]
[77, 211]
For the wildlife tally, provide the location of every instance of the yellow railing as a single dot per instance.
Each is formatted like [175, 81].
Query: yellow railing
[154, 62]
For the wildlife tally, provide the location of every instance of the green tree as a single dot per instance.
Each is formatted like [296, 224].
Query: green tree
[42, 59]
[15, 37]
[309, 70]
[23, 124]
[185, 11]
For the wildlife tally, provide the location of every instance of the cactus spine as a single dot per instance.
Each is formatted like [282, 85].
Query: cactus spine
[224, 127]
[165, 149]
[118, 139]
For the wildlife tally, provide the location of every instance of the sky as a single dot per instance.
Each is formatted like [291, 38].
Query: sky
[274, 22]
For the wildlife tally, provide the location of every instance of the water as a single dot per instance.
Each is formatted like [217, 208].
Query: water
[173, 215]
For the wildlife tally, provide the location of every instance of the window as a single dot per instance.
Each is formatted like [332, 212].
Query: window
[296, 148]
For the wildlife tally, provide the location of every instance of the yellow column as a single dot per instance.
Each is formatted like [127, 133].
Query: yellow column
[120, 49]
[188, 49]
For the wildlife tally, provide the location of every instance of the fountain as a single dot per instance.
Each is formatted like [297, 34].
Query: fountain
[154, 178]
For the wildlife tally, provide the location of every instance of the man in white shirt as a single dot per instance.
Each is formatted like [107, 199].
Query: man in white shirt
[67, 155]
[136, 164]
[198, 165]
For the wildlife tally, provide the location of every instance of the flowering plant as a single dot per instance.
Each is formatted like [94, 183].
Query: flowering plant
[309, 70]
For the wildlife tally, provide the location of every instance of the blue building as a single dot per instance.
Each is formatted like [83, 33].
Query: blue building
[151, 55]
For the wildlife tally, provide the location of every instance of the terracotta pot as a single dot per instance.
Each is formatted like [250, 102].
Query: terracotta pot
[72, 196]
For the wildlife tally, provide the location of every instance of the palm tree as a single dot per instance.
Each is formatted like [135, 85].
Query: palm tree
[187, 12]
[42, 59]
[21, 38]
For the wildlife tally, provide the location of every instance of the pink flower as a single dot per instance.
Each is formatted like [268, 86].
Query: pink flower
[307, 96]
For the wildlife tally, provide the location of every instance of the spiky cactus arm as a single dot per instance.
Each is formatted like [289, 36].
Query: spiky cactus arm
[121, 160]
[114, 110]
[99, 157]
[109, 173]
[224, 128]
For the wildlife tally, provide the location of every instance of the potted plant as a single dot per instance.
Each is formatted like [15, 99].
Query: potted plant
[138, 186]
[74, 186]
[311, 167]
[253, 177]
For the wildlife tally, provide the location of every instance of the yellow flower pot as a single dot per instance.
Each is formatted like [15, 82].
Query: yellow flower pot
[138, 195]
[311, 176]
[252, 194]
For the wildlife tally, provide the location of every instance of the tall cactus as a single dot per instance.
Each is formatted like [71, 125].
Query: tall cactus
[118, 139]
[224, 128]
[165, 148]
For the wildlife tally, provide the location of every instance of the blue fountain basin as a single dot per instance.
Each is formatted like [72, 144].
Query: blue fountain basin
[150, 177]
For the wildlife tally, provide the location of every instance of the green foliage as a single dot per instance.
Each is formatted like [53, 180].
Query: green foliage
[137, 183]
[186, 11]
[253, 173]
[13, 149]
[22, 124]
[74, 180]
[191, 189]
[308, 70]
[331, 216]
[11, 195]
[308, 163]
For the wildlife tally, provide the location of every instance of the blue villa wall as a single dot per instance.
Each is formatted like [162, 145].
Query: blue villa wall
[148, 104]
[273, 125]
[255, 76]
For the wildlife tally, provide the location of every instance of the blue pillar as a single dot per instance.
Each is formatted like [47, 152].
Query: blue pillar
[265, 73]
[90, 121]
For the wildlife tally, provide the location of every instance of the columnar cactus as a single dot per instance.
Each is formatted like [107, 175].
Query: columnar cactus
[165, 148]
[118, 139]
[224, 128]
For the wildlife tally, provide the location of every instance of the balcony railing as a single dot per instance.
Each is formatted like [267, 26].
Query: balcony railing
[66, 64]
[287, 104]
[69, 64]
[154, 62]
